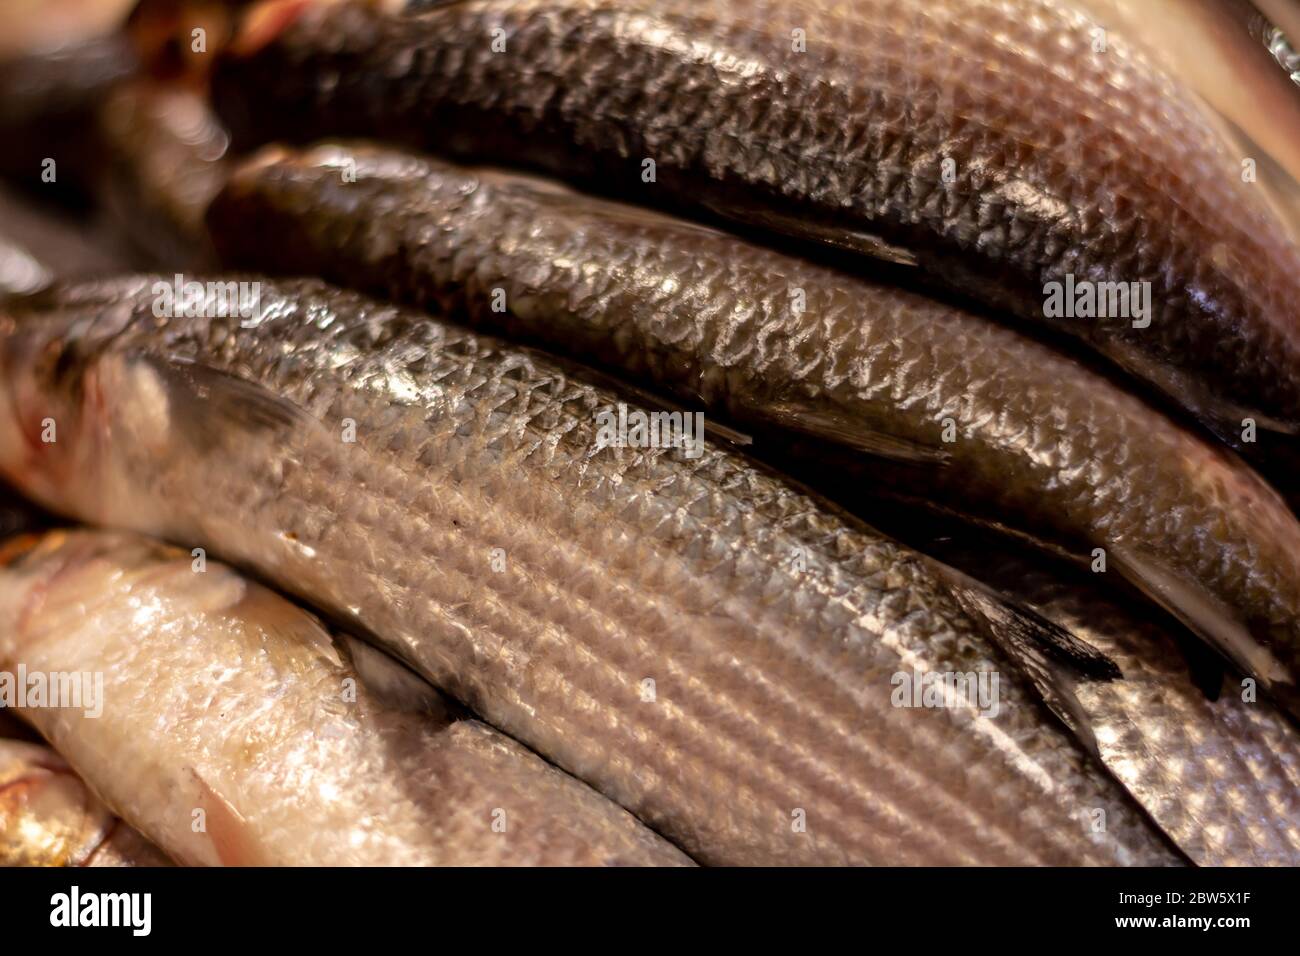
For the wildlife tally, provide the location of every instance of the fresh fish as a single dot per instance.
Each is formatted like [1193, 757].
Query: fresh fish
[1217, 50]
[48, 817]
[232, 729]
[962, 409]
[713, 649]
[1213, 763]
[1009, 149]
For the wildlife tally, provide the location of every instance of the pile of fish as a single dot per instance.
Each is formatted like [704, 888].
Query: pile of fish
[649, 432]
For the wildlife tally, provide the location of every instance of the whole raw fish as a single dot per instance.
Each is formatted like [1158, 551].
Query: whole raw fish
[948, 403]
[756, 677]
[1022, 152]
[232, 729]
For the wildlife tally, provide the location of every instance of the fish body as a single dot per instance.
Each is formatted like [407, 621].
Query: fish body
[713, 649]
[1018, 151]
[1216, 765]
[48, 817]
[911, 392]
[233, 729]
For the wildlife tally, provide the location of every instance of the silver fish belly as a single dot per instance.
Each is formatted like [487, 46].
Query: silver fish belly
[716, 651]
[226, 724]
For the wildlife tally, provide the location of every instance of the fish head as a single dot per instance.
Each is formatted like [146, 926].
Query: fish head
[79, 418]
[60, 577]
[43, 361]
[328, 181]
[47, 818]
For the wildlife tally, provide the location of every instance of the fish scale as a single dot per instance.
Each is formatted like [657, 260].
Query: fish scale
[773, 685]
[223, 697]
[1122, 178]
[48, 817]
[1041, 442]
[1222, 774]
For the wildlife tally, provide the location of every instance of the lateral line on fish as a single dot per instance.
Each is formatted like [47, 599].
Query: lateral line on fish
[508, 595]
[478, 433]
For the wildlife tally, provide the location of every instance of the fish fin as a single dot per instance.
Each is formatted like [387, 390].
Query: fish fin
[215, 407]
[1220, 416]
[226, 828]
[781, 223]
[292, 633]
[1053, 659]
[842, 429]
[230, 397]
[1203, 614]
[393, 684]
[838, 237]
[918, 520]
[639, 395]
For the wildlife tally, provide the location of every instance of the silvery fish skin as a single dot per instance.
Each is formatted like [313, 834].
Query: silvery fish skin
[982, 142]
[974, 412]
[48, 817]
[706, 645]
[1215, 765]
[224, 703]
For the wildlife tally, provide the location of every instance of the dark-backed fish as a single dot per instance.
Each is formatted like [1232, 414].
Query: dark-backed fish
[755, 676]
[947, 403]
[1018, 151]
[1211, 760]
